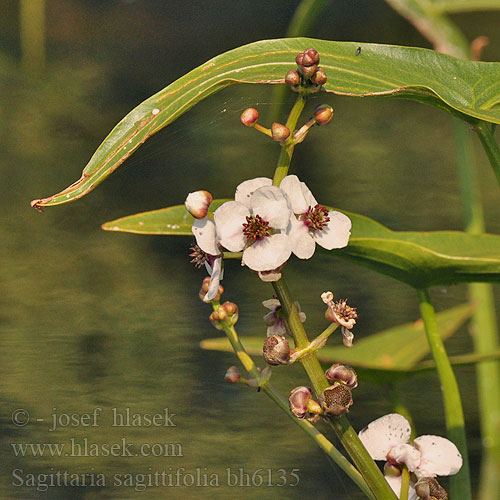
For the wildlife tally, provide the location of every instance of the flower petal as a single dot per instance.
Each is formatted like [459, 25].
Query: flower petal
[405, 454]
[245, 190]
[271, 204]
[204, 232]
[292, 187]
[395, 484]
[384, 433]
[440, 457]
[272, 304]
[229, 220]
[213, 287]
[303, 246]
[336, 233]
[268, 253]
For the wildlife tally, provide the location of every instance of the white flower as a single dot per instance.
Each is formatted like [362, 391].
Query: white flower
[387, 438]
[206, 238]
[313, 222]
[255, 223]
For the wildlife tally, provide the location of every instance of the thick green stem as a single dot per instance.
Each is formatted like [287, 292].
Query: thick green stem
[345, 432]
[490, 146]
[306, 426]
[405, 484]
[454, 415]
[287, 149]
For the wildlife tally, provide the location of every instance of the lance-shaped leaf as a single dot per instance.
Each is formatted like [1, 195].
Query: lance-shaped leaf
[383, 357]
[420, 259]
[468, 88]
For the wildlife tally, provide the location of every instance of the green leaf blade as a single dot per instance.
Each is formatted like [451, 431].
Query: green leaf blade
[469, 88]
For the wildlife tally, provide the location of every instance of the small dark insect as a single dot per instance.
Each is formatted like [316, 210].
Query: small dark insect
[358, 51]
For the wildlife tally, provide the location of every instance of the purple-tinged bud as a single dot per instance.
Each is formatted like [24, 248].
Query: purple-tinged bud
[319, 78]
[342, 373]
[427, 488]
[204, 290]
[197, 203]
[232, 375]
[392, 470]
[336, 399]
[310, 57]
[292, 78]
[280, 132]
[249, 117]
[276, 350]
[299, 401]
[323, 114]
[308, 71]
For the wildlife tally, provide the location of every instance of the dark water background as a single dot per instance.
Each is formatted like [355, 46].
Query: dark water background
[92, 319]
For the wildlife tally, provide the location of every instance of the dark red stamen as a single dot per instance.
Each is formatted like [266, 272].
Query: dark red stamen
[256, 228]
[316, 217]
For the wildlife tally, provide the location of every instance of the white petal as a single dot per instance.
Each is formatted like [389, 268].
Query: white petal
[440, 457]
[293, 189]
[303, 246]
[270, 203]
[395, 484]
[384, 433]
[229, 220]
[405, 454]
[213, 287]
[204, 232]
[245, 190]
[268, 253]
[309, 197]
[336, 233]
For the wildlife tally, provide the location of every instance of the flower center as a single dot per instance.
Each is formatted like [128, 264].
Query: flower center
[256, 228]
[316, 217]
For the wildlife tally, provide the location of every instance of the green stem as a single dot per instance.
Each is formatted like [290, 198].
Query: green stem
[405, 484]
[306, 426]
[32, 35]
[454, 415]
[287, 149]
[490, 146]
[345, 432]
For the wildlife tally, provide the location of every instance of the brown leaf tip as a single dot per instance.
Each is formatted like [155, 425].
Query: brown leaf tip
[36, 205]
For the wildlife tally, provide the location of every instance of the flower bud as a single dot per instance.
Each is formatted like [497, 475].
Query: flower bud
[323, 114]
[342, 373]
[197, 203]
[292, 78]
[427, 488]
[299, 401]
[280, 132]
[231, 310]
[204, 290]
[307, 58]
[276, 350]
[249, 117]
[232, 375]
[391, 470]
[319, 78]
[308, 71]
[336, 399]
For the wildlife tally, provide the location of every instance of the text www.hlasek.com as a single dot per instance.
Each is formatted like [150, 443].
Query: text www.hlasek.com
[86, 448]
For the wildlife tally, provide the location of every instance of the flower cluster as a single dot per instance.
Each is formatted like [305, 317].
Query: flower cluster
[267, 224]
[388, 438]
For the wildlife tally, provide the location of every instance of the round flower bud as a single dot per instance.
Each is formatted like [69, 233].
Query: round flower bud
[308, 71]
[276, 350]
[342, 373]
[232, 375]
[323, 114]
[427, 488]
[292, 78]
[249, 117]
[197, 203]
[336, 399]
[319, 78]
[231, 310]
[204, 290]
[280, 132]
[310, 57]
[299, 401]
[391, 470]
